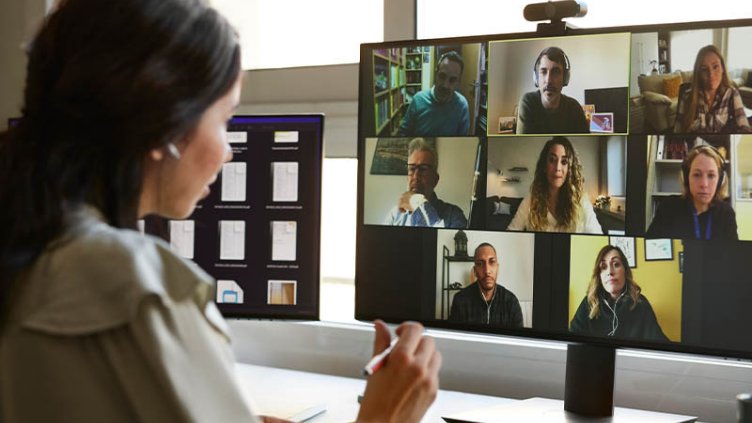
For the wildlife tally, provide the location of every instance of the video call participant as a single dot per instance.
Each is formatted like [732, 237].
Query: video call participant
[547, 110]
[485, 301]
[100, 323]
[419, 205]
[711, 104]
[442, 110]
[614, 305]
[557, 201]
[701, 212]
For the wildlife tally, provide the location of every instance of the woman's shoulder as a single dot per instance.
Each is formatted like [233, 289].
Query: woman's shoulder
[98, 276]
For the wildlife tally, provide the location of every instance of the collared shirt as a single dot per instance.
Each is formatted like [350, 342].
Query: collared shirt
[431, 212]
[724, 114]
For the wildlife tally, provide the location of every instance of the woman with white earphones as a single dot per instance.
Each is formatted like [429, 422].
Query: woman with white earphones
[614, 305]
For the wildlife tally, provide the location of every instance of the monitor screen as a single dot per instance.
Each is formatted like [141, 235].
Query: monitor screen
[258, 230]
[592, 186]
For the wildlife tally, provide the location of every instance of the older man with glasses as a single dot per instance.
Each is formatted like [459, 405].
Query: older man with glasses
[419, 205]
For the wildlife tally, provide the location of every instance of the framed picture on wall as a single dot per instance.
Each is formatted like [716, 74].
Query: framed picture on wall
[390, 157]
[658, 249]
[627, 246]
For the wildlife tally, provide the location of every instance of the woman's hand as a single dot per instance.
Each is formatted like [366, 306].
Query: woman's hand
[404, 388]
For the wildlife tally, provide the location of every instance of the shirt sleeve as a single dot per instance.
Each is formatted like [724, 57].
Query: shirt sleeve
[580, 321]
[464, 126]
[522, 116]
[738, 110]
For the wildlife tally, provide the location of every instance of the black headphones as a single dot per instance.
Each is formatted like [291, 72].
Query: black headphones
[709, 150]
[552, 51]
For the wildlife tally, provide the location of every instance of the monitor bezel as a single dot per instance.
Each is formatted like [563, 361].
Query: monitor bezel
[529, 333]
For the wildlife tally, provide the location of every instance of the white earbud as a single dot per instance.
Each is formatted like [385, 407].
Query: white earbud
[173, 150]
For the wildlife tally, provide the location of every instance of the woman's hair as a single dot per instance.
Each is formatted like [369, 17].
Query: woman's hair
[697, 89]
[570, 194]
[106, 83]
[706, 150]
[596, 293]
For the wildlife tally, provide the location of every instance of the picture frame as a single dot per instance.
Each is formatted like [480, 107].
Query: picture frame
[627, 245]
[681, 261]
[660, 249]
[390, 157]
[602, 123]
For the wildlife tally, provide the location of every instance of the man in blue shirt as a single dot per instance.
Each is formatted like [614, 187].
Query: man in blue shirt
[419, 205]
[440, 111]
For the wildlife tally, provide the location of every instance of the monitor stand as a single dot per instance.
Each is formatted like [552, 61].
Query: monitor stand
[588, 397]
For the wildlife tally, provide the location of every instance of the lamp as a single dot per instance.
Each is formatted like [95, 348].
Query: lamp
[460, 244]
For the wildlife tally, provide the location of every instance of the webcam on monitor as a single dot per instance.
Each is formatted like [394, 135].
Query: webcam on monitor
[554, 11]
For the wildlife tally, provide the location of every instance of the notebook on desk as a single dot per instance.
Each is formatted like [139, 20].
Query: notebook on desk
[549, 410]
[307, 414]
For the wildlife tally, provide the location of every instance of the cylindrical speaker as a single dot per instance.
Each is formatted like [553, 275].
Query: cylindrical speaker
[744, 408]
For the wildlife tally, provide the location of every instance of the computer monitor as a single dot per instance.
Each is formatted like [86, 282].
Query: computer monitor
[558, 157]
[258, 231]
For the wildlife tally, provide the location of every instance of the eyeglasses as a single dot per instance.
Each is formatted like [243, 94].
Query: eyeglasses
[421, 168]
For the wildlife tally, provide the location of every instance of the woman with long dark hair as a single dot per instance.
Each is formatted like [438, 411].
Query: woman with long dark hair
[557, 201]
[614, 305]
[124, 116]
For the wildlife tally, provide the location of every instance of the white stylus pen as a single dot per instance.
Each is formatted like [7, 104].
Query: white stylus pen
[377, 361]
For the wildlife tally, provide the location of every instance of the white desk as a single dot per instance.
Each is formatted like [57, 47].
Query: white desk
[282, 392]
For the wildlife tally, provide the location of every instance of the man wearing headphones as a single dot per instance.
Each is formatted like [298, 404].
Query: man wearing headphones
[701, 212]
[547, 110]
[440, 111]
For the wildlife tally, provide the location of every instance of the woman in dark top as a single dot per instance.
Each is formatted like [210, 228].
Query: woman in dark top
[614, 305]
[700, 213]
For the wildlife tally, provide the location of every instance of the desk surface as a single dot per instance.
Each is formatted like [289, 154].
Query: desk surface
[282, 393]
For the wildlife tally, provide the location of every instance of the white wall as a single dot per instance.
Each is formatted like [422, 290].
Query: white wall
[456, 167]
[600, 61]
[644, 49]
